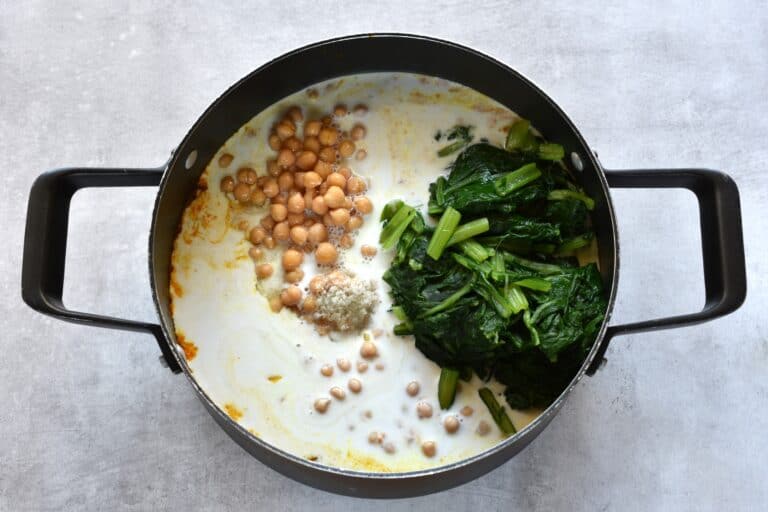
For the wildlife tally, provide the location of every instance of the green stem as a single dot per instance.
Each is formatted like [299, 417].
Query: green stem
[518, 134]
[448, 302]
[560, 194]
[517, 299]
[511, 181]
[396, 226]
[446, 387]
[551, 151]
[468, 230]
[498, 413]
[443, 232]
[567, 247]
[475, 250]
[535, 283]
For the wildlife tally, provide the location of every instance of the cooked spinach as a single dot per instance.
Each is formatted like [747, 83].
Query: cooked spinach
[461, 135]
[493, 287]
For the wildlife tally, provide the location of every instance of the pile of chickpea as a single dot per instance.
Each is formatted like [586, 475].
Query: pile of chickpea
[315, 201]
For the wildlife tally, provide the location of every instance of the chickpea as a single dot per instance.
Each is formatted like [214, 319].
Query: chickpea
[334, 197]
[298, 235]
[279, 212]
[306, 160]
[264, 270]
[319, 206]
[268, 223]
[275, 304]
[354, 223]
[292, 259]
[368, 251]
[295, 114]
[483, 428]
[429, 448]
[294, 276]
[340, 110]
[257, 196]
[348, 204]
[290, 296]
[255, 253]
[285, 129]
[379, 366]
[343, 364]
[339, 216]
[336, 179]
[327, 154]
[327, 220]
[325, 254]
[363, 205]
[298, 180]
[323, 168]
[272, 168]
[312, 144]
[309, 305]
[321, 405]
[281, 231]
[269, 242]
[326, 370]
[285, 158]
[271, 189]
[345, 171]
[293, 144]
[355, 185]
[375, 437]
[225, 159]
[360, 109]
[451, 424]
[278, 199]
[296, 203]
[257, 235]
[346, 241]
[466, 411]
[338, 393]
[312, 128]
[362, 367]
[368, 350]
[361, 154]
[316, 284]
[317, 233]
[355, 385]
[243, 225]
[346, 148]
[309, 195]
[296, 219]
[358, 132]
[242, 192]
[328, 136]
[285, 181]
[412, 388]
[389, 447]
[227, 184]
[312, 180]
[423, 409]
[274, 142]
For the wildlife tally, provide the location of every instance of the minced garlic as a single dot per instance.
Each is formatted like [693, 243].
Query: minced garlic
[345, 302]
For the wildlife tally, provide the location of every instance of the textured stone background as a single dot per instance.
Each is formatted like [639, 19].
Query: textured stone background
[676, 421]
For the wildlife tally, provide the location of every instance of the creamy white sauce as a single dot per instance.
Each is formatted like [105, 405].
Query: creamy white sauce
[264, 368]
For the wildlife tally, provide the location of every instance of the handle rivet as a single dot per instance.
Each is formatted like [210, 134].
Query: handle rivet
[576, 161]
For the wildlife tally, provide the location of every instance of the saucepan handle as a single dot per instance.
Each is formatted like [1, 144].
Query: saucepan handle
[45, 245]
[722, 244]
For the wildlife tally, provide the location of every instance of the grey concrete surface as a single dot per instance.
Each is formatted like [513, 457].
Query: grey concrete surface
[677, 420]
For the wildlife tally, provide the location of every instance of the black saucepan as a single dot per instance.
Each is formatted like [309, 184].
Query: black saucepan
[47, 219]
